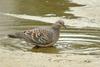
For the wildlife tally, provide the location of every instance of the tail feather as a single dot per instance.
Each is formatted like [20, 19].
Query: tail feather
[16, 35]
[21, 35]
[12, 36]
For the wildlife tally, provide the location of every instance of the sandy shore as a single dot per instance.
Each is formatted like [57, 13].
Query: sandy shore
[29, 59]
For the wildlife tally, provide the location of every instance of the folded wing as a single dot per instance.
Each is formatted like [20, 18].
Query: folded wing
[39, 36]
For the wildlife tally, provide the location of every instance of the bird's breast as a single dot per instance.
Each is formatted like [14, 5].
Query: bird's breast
[56, 35]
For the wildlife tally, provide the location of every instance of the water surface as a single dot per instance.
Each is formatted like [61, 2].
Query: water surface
[81, 37]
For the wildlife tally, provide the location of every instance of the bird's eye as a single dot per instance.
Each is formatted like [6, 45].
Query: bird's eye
[60, 23]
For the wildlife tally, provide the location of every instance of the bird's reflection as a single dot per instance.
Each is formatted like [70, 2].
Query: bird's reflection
[46, 50]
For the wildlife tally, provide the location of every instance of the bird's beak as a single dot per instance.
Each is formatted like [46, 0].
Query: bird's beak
[64, 26]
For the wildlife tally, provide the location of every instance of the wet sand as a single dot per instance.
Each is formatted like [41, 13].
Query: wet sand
[29, 59]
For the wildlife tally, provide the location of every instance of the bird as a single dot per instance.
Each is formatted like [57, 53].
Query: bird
[41, 36]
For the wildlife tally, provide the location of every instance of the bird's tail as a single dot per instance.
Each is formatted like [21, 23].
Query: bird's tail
[21, 35]
[16, 35]
[12, 36]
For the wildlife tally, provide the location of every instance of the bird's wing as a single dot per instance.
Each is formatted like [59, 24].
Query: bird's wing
[40, 36]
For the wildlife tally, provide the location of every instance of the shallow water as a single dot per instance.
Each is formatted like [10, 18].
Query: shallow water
[81, 37]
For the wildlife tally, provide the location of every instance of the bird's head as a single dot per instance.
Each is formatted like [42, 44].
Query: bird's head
[60, 23]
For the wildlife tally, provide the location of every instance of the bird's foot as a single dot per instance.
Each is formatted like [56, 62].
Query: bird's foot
[42, 46]
[36, 46]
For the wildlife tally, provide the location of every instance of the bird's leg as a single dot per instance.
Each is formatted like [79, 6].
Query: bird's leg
[42, 46]
[50, 45]
[36, 46]
[45, 46]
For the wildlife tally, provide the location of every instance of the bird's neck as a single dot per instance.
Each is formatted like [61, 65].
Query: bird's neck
[56, 27]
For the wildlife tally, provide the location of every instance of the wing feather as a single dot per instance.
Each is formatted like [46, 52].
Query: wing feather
[40, 36]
